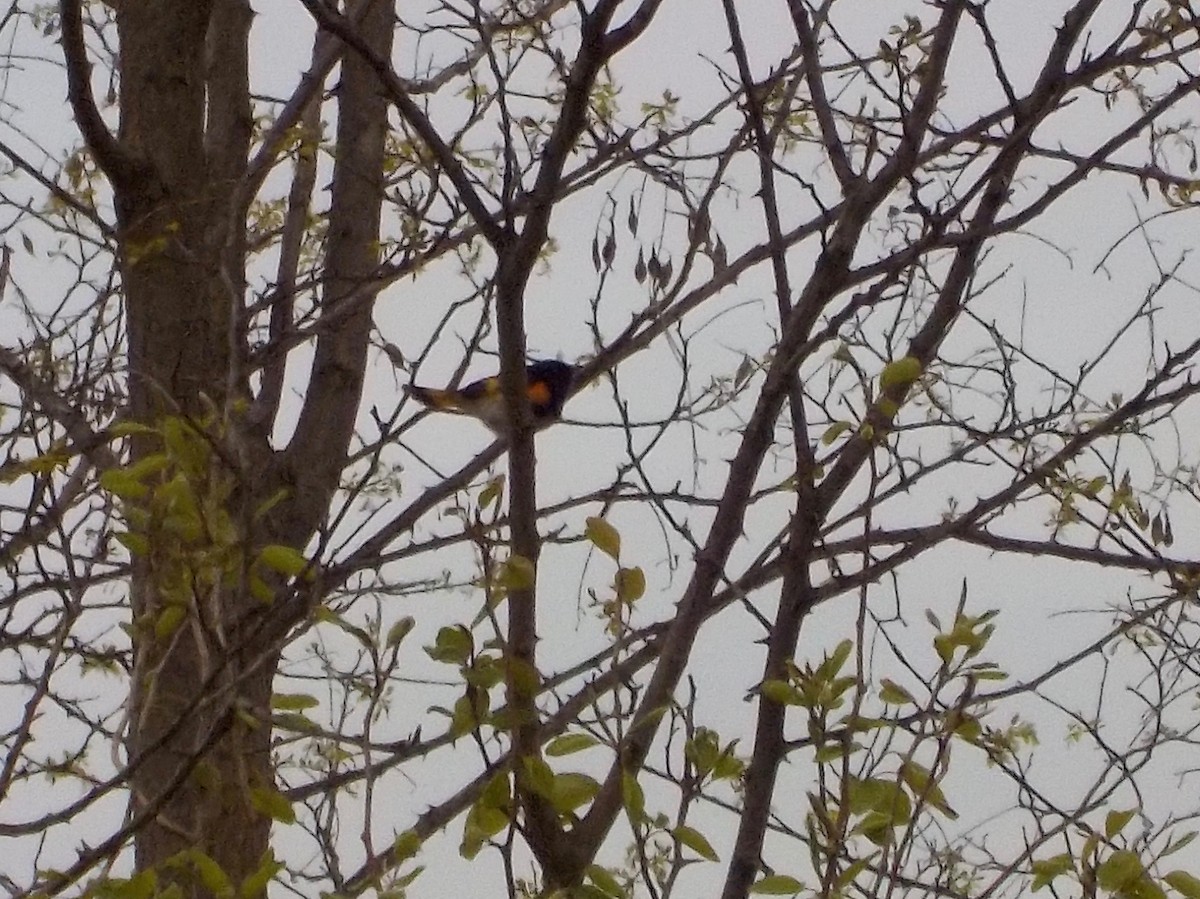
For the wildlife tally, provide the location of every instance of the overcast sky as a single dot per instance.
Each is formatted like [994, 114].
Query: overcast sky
[1052, 294]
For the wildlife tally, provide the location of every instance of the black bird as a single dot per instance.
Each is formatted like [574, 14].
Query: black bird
[549, 381]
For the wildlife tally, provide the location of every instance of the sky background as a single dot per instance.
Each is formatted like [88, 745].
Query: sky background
[1052, 293]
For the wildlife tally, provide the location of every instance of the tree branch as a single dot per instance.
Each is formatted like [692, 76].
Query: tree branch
[415, 116]
[312, 463]
[834, 148]
[111, 156]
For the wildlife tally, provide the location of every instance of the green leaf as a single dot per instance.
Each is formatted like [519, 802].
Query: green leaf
[178, 495]
[539, 777]
[396, 891]
[703, 750]
[900, 373]
[834, 431]
[828, 753]
[129, 428]
[406, 845]
[876, 827]
[572, 789]
[212, 875]
[781, 692]
[492, 492]
[604, 536]
[631, 584]
[261, 590]
[255, 884]
[48, 461]
[137, 544]
[920, 781]
[294, 721]
[518, 573]
[1176, 845]
[569, 743]
[633, 796]
[894, 694]
[148, 466]
[880, 795]
[1144, 888]
[1184, 883]
[1047, 870]
[294, 702]
[605, 882]
[1090, 845]
[122, 484]
[465, 717]
[270, 503]
[398, 631]
[864, 795]
[168, 620]
[833, 663]
[1119, 871]
[988, 673]
[1115, 821]
[484, 672]
[489, 821]
[453, 645]
[140, 886]
[273, 804]
[969, 729]
[287, 560]
[944, 646]
[777, 885]
[696, 841]
[482, 823]
[497, 793]
[728, 766]
[851, 872]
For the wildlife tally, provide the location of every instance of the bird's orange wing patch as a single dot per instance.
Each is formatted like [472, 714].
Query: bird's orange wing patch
[539, 393]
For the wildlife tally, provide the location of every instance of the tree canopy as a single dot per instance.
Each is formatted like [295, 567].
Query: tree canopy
[861, 563]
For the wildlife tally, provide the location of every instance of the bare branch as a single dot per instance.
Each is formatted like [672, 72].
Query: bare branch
[113, 158]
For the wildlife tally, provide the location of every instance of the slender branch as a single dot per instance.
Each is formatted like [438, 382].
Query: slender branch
[109, 153]
[326, 53]
[62, 195]
[325, 427]
[447, 158]
[545, 836]
[796, 594]
[821, 106]
[83, 438]
[291, 241]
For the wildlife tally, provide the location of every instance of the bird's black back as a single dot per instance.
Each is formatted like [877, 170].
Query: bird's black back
[557, 376]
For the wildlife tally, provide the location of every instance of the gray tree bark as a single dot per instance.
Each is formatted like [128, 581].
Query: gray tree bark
[199, 727]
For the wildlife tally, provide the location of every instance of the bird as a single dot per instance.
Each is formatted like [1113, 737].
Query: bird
[549, 381]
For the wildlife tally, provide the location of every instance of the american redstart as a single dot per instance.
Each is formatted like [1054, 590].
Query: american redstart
[549, 381]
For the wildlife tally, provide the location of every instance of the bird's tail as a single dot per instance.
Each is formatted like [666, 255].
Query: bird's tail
[446, 400]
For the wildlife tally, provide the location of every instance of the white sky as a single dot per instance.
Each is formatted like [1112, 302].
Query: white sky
[1064, 308]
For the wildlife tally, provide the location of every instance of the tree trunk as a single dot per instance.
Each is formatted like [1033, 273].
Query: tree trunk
[182, 265]
[201, 697]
